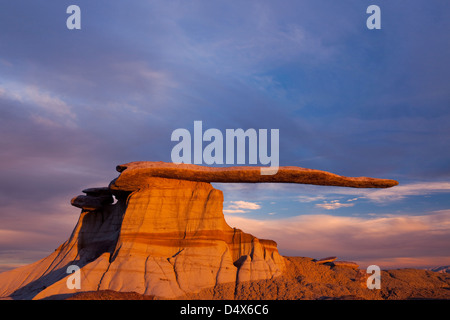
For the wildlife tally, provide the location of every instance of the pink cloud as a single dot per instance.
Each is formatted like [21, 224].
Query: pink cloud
[389, 241]
[332, 205]
[241, 207]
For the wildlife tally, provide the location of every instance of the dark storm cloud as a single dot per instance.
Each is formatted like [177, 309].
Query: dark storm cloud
[74, 104]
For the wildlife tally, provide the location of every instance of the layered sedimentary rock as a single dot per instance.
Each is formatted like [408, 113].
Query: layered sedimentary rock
[165, 236]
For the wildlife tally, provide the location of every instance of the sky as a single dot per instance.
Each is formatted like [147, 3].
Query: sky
[346, 99]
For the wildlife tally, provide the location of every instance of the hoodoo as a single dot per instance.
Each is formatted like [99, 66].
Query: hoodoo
[165, 236]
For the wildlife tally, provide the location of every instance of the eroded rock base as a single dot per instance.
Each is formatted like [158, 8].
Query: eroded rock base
[166, 239]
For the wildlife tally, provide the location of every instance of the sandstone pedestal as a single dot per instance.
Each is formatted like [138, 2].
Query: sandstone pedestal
[166, 239]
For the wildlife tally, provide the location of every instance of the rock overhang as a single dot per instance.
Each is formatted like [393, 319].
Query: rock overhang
[133, 175]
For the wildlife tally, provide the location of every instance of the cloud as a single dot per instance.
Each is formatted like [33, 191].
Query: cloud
[333, 205]
[258, 40]
[309, 198]
[413, 189]
[241, 207]
[396, 193]
[57, 112]
[74, 107]
[142, 82]
[311, 193]
[386, 240]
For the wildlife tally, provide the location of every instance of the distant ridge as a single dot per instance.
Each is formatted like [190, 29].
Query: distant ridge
[442, 269]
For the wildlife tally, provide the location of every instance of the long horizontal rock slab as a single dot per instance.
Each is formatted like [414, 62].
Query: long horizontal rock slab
[346, 264]
[325, 260]
[134, 175]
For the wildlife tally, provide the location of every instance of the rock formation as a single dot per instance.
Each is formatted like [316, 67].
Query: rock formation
[166, 235]
[135, 173]
[347, 264]
[325, 260]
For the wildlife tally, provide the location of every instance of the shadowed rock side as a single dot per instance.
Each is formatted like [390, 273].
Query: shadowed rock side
[135, 173]
[167, 239]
